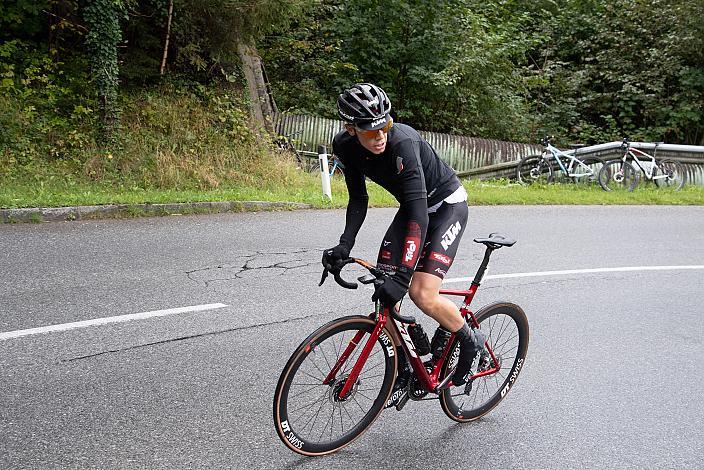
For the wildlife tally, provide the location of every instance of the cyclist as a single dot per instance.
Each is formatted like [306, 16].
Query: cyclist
[421, 242]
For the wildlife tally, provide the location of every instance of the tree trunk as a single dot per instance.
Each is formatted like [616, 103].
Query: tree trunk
[168, 35]
[263, 106]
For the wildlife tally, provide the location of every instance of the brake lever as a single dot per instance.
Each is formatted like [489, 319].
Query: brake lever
[336, 274]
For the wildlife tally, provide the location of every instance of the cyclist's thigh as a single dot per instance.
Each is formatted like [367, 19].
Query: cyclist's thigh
[445, 229]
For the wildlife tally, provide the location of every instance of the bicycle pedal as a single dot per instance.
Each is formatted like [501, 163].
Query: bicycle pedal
[402, 402]
[468, 387]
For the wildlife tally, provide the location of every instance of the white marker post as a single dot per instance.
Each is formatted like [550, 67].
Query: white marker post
[325, 176]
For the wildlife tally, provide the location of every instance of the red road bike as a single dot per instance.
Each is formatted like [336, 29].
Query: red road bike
[341, 377]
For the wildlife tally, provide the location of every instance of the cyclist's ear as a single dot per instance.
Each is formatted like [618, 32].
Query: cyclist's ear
[350, 129]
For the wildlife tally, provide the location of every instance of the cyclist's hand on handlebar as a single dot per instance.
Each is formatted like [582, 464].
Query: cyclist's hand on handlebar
[332, 257]
[393, 287]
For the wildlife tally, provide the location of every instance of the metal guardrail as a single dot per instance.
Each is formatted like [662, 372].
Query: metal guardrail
[484, 158]
[691, 156]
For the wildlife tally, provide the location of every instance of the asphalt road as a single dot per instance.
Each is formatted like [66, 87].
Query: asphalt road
[613, 378]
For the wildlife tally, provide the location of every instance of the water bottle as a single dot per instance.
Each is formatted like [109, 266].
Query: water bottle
[419, 338]
[439, 342]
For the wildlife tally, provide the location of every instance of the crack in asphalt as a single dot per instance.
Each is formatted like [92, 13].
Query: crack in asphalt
[184, 338]
[239, 270]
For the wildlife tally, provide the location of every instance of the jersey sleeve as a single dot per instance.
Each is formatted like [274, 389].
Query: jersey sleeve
[414, 200]
[358, 200]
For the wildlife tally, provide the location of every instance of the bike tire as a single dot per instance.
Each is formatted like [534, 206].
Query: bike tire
[675, 174]
[506, 327]
[617, 175]
[534, 169]
[583, 177]
[301, 399]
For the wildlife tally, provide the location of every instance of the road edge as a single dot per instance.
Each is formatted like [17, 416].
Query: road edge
[113, 211]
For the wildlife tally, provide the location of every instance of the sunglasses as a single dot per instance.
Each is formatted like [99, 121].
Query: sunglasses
[370, 134]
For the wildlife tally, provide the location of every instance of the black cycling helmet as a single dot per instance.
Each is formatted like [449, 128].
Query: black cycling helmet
[365, 105]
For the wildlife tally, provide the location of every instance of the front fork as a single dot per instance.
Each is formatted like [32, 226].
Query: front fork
[362, 359]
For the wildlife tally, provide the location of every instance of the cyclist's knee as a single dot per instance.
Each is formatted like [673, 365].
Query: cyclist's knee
[424, 298]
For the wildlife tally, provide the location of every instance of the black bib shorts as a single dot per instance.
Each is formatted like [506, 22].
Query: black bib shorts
[445, 229]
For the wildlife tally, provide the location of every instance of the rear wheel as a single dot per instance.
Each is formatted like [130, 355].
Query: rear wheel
[617, 175]
[311, 416]
[534, 169]
[669, 174]
[506, 328]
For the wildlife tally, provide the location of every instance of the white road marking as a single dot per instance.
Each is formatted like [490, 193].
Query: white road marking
[575, 271]
[199, 308]
[106, 320]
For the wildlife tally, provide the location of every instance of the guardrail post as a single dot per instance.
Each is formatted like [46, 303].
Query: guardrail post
[325, 176]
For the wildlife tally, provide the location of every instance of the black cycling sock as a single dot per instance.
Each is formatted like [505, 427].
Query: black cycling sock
[471, 342]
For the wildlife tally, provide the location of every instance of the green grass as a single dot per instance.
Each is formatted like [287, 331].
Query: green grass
[505, 192]
[306, 189]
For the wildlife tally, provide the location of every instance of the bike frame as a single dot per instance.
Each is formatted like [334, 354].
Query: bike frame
[557, 153]
[429, 381]
[647, 169]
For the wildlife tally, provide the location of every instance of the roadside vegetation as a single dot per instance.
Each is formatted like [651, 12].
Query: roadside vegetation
[150, 101]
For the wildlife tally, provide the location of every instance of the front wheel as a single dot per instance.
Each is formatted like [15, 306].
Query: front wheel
[669, 174]
[534, 169]
[618, 175]
[310, 414]
[506, 327]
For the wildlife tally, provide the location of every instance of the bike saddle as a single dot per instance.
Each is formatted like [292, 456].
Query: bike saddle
[496, 240]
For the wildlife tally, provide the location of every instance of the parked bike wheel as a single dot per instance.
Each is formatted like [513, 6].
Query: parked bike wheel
[586, 175]
[506, 327]
[310, 416]
[617, 175]
[675, 174]
[335, 170]
[534, 169]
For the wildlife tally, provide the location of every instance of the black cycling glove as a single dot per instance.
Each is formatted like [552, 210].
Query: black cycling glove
[333, 256]
[394, 287]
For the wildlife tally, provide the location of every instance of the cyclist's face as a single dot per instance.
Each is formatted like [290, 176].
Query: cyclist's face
[374, 141]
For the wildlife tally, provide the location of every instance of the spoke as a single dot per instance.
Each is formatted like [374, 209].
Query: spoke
[314, 418]
[317, 379]
[308, 404]
[360, 406]
[500, 346]
[325, 357]
[326, 426]
[306, 391]
[363, 395]
[339, 414]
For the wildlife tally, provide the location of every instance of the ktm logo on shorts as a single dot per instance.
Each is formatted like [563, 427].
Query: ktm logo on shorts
[444, 259]
[449, 237]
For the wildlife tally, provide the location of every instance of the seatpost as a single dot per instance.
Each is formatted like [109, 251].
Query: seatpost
[482, 267]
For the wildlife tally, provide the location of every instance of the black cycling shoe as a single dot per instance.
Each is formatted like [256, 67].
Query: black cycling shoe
[471, 342]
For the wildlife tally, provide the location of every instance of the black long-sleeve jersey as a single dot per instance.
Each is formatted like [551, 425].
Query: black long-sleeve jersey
[408, 168]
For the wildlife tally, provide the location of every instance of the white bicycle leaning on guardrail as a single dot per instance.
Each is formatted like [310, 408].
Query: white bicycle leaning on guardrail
[543, 168]
[620, 174]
